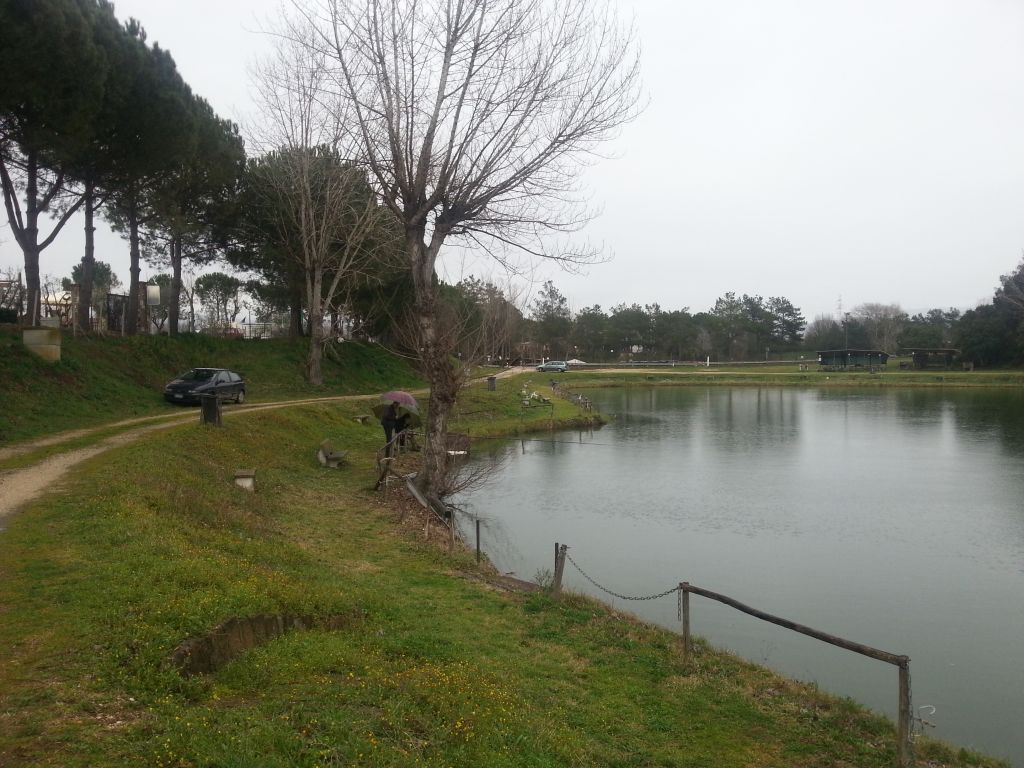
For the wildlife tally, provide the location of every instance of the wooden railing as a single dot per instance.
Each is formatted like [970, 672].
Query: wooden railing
[904, 751]
[903, 746]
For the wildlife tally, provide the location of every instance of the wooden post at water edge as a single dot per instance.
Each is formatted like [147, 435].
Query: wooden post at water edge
[905, 757]
[904, 753]
[684, 609]
[556, 584]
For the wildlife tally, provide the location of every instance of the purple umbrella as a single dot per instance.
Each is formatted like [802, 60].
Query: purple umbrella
[406, 405]
[401, 397]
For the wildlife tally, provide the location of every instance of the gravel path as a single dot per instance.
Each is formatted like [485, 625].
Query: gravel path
[20, 486]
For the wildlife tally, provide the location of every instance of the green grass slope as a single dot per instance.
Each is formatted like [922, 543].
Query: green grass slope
[106, 379]
[790, 375]
[153, 544]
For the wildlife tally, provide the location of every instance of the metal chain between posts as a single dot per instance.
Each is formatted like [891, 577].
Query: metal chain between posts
[616, 594]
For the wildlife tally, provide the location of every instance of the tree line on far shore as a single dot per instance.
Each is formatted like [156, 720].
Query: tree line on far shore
[752, 328]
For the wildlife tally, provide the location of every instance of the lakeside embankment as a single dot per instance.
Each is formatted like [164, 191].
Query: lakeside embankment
[788, 376]
[430, 665]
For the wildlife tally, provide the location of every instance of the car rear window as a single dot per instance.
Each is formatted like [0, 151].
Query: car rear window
[199, 374]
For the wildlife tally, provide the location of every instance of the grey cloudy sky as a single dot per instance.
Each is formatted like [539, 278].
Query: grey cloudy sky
[871, 150]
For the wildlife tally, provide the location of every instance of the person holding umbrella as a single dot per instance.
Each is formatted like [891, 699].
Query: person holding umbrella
[389, 420]
[402, 424]
[397, 410]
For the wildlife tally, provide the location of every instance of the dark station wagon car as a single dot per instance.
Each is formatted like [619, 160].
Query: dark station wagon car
[191, 386]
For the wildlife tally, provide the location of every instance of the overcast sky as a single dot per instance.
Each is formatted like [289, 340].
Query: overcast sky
[821, 150]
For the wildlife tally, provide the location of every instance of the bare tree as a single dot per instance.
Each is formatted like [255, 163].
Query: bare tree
[494, 315]
[883, 323]
[475, 118]
[188, 296]
[319, 208]
[465, 333]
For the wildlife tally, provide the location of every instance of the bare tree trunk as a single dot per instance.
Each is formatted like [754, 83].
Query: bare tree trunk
[30, 246]
[88, 258]
[314, 359]
[434, 359]
[295, 310]
[32, 286]
[132, 318]
[435, 454]
[174, 306]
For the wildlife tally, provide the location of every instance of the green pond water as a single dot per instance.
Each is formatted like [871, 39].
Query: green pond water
[894, 518]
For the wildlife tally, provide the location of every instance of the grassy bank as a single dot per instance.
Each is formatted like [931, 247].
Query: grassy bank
[153, 544]
[104, 379]
[788, 376]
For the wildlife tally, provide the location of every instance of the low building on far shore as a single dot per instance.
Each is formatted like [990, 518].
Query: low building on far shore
[923, 358]
[852, 359]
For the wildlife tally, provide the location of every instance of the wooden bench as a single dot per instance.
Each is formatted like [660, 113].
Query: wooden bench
[361, 418]
[328, 456]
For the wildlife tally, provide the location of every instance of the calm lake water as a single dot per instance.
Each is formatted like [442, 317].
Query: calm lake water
[894, 518]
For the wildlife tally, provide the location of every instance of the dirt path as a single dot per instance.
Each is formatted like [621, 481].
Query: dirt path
[20, 486]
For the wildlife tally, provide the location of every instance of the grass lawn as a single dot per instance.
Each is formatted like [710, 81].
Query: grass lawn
[153, 544]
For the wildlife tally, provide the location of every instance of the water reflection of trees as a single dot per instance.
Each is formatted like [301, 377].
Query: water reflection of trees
[735, 418]
[487, 463]
[978, 414]
[987, 414]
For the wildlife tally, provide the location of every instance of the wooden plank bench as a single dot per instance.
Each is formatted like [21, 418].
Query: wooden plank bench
[328, 456]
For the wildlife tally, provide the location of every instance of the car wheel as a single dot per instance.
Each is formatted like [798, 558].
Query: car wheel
[240, 397]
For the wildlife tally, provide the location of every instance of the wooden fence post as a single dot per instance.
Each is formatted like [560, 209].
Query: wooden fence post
[684, 596]
[556, 585]
[210, 410]
[553, 572]
[478, 540]
[903, 748]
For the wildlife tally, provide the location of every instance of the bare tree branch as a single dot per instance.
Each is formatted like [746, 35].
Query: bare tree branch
[475, 118]
[326, 215]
